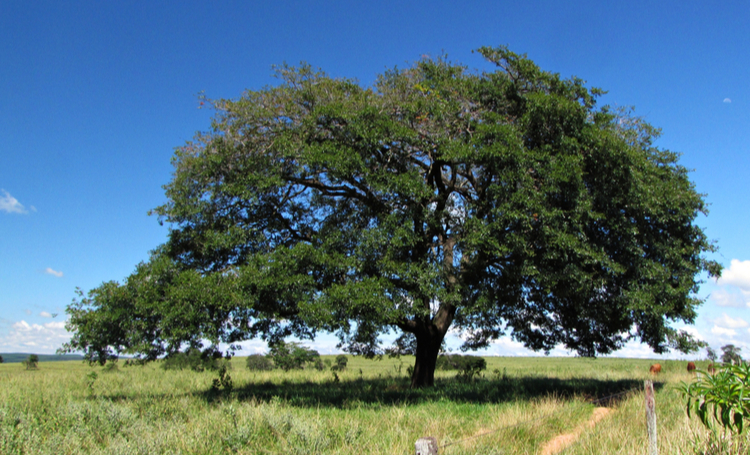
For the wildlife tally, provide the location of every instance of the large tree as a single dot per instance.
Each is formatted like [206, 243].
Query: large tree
[502, 202]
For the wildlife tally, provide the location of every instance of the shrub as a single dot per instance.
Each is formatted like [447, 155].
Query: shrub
[224, 381]
[319, 364]
[292, 356]
[258, 362]
[32, 362]
[210, 359]
[341, 361]
[459, 362]
[468, 366]
[1, 359]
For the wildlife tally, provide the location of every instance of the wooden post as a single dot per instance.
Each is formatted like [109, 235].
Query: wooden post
[651, 417]
[426, 446]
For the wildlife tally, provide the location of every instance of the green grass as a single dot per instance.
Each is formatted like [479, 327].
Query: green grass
[517, 406]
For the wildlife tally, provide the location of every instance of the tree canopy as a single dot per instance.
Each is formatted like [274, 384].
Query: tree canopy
[493, 203]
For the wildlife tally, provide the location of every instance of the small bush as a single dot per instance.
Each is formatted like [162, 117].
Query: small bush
[468, 366]
[224, 381]
[32, 362]
[341, 361]
[258, 362]
[292, 356]
[460, 362]
[210, 359]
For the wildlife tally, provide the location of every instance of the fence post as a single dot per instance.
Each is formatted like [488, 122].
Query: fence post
[651, 417]
[426, 446]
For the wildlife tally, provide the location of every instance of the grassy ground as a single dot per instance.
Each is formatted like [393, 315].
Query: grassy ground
[519, 404]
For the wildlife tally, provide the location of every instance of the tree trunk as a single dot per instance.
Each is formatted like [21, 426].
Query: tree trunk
[428, 348]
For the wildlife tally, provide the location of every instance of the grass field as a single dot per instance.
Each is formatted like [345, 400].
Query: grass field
[515, 408]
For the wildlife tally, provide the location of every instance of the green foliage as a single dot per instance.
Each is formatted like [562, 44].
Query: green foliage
[32, 362]
[405, 344]
[469, 366]
[497, 203]
[710, 354]
[341, 361]
[731, 354]
[258, 362]
[91, 380]
[721, 397]
[195, 360]
[224, 381]
[1, 359]
[292, 356]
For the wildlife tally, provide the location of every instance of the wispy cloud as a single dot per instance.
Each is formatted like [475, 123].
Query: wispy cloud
[44, 314]
[53, 272]
[727, 100]
[730, 322]
[735, 298]
[721, 331]
[10, 204]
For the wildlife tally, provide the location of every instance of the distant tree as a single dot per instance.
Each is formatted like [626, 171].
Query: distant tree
[258, 362]
[1, 359]
[341, 362]
[31, 363]
[292, 356]
[494, 203]
[320, 365]
[731, 354]
[710, 354]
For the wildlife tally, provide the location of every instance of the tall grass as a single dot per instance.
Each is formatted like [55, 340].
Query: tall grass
[515, 408]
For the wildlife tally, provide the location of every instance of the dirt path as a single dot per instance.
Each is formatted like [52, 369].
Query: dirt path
[558, 443]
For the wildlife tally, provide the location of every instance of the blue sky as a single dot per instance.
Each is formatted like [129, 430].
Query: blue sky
[95, 96]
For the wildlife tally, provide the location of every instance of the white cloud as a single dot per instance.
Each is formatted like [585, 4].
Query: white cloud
[10, 204]
[729, 322]
[738, 274]
[39, 338]
[53, 272]
[727, 100]
[721, 331]
[44, 314]
[725, 298]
